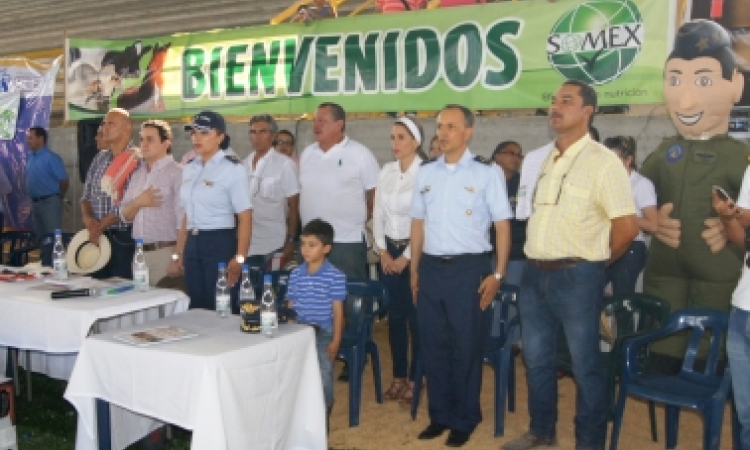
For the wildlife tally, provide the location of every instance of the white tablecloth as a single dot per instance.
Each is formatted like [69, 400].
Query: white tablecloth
[55, 329]
[236, 391]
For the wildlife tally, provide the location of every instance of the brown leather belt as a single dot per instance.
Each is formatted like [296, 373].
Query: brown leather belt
[157, 246]
[398, 243]
[555, 264]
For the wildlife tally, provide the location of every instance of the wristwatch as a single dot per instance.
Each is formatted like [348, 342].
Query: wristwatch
[240, 259]
[498, 276]
[175, 256]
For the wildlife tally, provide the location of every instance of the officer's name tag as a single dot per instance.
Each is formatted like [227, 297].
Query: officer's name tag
[470, 189]
[208, 183]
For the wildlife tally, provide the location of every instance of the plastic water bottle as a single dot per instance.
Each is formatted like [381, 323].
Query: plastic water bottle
[222, 292]
[59, 260]
[249, 306]
[247, 292]
[140, 269]
[269, 320]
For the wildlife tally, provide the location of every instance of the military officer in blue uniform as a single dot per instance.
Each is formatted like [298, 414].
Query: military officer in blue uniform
[456, 197]
[218, 215]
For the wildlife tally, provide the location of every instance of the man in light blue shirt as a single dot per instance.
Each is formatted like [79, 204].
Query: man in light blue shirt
[46, 183]
[456, 197]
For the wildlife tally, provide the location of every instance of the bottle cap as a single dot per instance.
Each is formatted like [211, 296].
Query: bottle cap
[139, 241]
[222, 266]
[58, 232]
[267, 278]
[246, 267]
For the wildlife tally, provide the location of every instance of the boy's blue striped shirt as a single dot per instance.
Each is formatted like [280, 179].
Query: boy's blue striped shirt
[313, 294]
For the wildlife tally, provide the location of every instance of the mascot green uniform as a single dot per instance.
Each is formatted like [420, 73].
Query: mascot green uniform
[689, 264]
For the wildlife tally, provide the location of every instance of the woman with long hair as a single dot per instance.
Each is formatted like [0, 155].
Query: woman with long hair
[392, 229]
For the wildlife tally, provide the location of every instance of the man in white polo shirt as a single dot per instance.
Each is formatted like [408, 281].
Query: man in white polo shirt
[274, 191]
[338, 176]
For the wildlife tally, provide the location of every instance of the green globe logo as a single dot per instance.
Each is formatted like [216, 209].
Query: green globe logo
[596, 41]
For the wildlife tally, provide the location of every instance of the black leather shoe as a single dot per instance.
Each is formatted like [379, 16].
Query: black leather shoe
[457, 438]
[432, 431]
[344, 375]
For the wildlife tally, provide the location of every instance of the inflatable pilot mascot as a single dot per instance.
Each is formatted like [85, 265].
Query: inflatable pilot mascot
[690, 263]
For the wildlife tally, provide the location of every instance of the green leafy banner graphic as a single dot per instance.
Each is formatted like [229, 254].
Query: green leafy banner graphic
[496, 56]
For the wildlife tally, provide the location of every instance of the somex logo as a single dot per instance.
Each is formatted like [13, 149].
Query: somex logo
[596, 41]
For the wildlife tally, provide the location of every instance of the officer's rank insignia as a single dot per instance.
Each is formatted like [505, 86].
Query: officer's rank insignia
[470, 189]
[469, 212]
[208, 183]
[674, 154]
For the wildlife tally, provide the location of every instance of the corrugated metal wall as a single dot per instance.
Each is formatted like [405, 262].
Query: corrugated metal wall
[29, 25]
[33, 26]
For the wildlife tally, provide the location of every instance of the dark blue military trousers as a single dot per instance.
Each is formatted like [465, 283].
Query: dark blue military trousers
[452, 332]
[202, 255]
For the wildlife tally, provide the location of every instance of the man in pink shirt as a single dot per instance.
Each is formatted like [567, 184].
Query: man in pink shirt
[151, 202]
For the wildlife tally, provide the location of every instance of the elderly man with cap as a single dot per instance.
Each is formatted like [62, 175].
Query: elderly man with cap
[100, 207]
[217, 224]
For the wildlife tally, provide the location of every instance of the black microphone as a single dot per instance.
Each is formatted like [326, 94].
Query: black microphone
[72, 293]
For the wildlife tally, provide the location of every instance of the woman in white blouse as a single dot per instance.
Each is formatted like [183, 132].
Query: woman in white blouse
[623, 273]
[391, 229]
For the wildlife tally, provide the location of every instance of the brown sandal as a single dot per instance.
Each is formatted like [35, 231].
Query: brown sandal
[396, 391]
[407, 395]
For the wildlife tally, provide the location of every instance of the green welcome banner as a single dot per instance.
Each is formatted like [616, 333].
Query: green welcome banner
[494, 56]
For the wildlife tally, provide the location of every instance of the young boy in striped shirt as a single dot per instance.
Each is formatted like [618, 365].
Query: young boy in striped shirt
[316, 291]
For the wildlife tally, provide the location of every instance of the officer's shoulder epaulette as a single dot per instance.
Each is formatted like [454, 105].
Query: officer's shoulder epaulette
[232, 158]
[482, 159]
[427, 161]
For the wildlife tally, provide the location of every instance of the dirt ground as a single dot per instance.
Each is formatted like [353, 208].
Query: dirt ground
[388, 426]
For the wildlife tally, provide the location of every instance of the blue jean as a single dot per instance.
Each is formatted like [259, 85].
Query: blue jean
[47, 215]
[570, 299]
[322, 339]
[350, 258]
[402, 318]
[261, 260]
[738, 350]
[514, 271]
[623, 274]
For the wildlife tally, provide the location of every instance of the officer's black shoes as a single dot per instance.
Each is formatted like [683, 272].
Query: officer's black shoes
[457, 438]
[432, 431]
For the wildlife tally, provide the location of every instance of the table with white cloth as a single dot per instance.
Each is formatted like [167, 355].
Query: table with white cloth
[234, 390]
[55, 329]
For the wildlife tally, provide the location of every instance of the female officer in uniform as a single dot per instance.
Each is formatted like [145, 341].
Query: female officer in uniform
[218, 215]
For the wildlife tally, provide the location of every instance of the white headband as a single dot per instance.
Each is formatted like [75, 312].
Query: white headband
[408, 123]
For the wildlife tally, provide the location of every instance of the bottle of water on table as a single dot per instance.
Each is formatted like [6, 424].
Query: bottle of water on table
[269, 320]
[140, 269]
[59, 259]
[222, 292]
